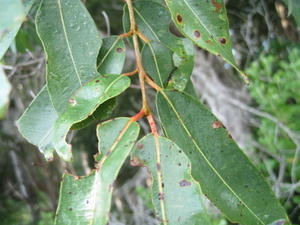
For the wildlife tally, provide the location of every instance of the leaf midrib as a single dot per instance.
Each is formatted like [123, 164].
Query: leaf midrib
[156, 64]
[203, 155]
[100, 102]
[67, 41]
[108, 52]
[101, 163]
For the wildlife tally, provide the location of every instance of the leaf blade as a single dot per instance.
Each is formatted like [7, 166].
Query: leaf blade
[111, 57]
[242, 193]
[41, 125]
[206, 24]
[94, 191]
[180, 195]
[61, 26]
[11, 20]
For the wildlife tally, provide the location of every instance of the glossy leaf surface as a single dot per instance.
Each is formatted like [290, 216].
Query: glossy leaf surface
[87, 200]
[42, 126]
[13, 14]
[176, 196]
[225, 174]
[205, 22]
[111, 57]
[5, 89]
[72, 43]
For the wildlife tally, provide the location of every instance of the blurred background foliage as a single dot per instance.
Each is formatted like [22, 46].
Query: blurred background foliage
[265, 34]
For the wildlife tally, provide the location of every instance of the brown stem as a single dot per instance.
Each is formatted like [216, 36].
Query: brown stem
[138, 57]
[130, 73]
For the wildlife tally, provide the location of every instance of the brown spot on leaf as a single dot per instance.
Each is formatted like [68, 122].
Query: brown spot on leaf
[119, 50]
[139, 146]
[185, 183]
[209, 42]
[179, 18]
[222, 41]
[135, 162]
[158, 166]
[97, 81]
[197, 34]
[161, 196]
[217, 124]
[217, 5]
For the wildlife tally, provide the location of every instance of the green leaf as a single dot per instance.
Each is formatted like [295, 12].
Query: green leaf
[176, 195]
[87, 200]
[294, 10]
[225, 174]
[112, 55]
[12, 15]
[42, 126]
[5, 88]
[185, 65]
[157, 62]
[103, 112]
[206, 24]
[62, 25]
[165, 53]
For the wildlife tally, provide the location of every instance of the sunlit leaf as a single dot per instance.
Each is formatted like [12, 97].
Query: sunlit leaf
[72, 43]
[176, 195]
[225, 174]
[87, 200]
[42, 126]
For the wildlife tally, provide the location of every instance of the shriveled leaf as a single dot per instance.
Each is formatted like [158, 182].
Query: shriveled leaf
[5, 88]
[164, 48]
[13, 14]
[176, 195]
[87, 200]
[42, 126]
[206, 23]
[111, 57]
[72, 43]
[225, 174]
